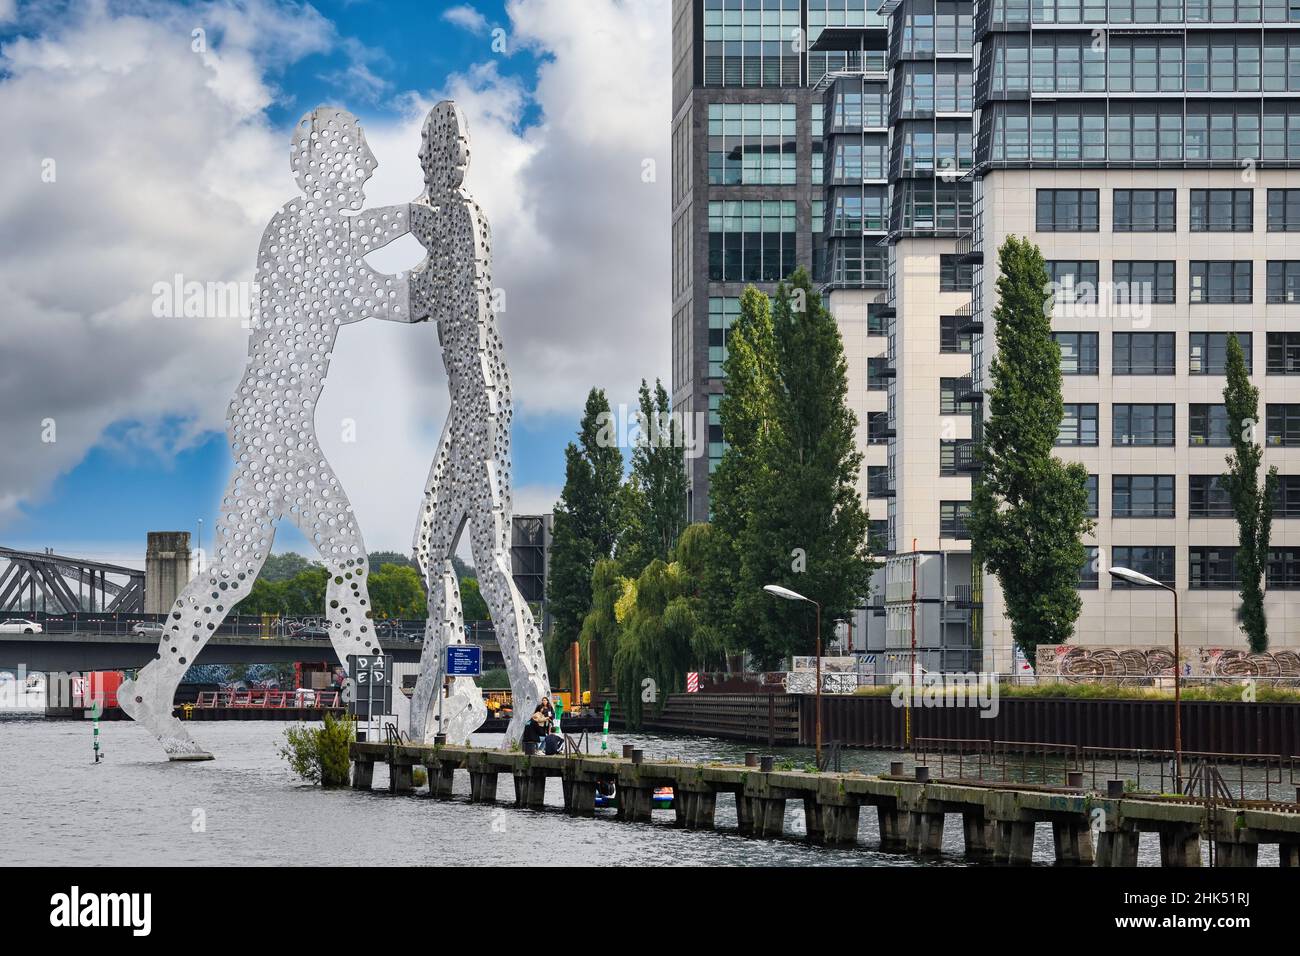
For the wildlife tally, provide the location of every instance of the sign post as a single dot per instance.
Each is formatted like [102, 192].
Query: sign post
[464, 660]
[604, 734]
[372, 681]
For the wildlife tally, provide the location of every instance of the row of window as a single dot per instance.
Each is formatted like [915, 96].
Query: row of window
[1208, 568]
[1132, 496]
[751, 241]
[1156, 210]
[1140, 131]
[1153, 353]
[1144, 11]
[1078, 63]
[1152, 282]
[1152, 424]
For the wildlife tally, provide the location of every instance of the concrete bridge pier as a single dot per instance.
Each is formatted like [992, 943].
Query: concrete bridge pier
[839, 823]
[530, 789]
[1013, 842]
[978, 835]
[925, 832]
[363, 774]
[635, 804]
[893, 831]
[697, 807]
[579, 796]
[1236, 853]
[482, 786]
[441, 775]
[814, 819]
[1072, 840]
[401, 778]
[769, 816]
[1180, 845]
[1117, 847]
[744, 814]
[1288, 854]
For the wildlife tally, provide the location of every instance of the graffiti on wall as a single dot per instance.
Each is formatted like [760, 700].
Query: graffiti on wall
[1139, 665]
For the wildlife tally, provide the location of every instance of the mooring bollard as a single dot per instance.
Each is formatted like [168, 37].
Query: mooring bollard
[751, 758]
[895, 768]
[627, 751]
[922, 774]
[638, 756]
[1114, 789]
[766, 763]
[1074, 779]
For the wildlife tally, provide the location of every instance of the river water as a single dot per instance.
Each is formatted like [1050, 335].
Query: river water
[247, 808]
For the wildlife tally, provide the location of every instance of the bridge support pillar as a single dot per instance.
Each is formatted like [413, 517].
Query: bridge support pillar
[893, 837]
[1237, 854]
[1288, 854]
[401, 778]
[744, 813]
[975, 830]
[440, 779]
[814, 819]
[840, 824]
[1014, 843]
[699, 807]
[1073, 842]
[769, 816]
[363, 774]
[925, 833]
[1180, 846]
[530, 789]
[635, 803]
[1117, 848]
[482, 786]
[580, 797]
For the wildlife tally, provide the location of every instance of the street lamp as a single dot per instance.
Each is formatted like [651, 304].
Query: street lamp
[787, 594]
[1141, 580]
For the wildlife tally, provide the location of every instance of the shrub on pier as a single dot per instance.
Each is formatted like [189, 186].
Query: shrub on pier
[320, 754]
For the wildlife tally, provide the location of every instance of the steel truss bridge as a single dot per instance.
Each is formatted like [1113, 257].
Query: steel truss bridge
[56, 584]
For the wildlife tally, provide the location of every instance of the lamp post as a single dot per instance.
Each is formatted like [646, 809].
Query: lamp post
[787, 594]
[1141, 580]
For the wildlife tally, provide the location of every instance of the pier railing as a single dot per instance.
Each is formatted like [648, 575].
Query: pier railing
[1214, 777]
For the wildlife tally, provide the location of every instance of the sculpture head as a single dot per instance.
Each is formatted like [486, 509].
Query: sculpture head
[330, 158]
[444, 148]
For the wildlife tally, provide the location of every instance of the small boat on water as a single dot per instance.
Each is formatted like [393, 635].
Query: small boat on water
[662, 799]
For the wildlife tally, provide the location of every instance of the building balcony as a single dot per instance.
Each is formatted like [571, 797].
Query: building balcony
[968, 249]
[967, 458]
[968, 390]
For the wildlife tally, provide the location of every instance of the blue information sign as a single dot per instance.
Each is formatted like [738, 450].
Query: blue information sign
[464, 660]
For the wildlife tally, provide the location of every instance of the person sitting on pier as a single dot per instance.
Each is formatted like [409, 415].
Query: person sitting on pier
[534, 731]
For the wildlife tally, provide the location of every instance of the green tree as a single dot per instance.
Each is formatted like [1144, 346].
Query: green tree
[588, 523]
[600, 628]
[806, 527]
[377, 559]
[655, 503]
[396, 592]
[282, 567]
[664, 631]
[1029, 509]
[472, 605]
[747, 411]
[1252, 501]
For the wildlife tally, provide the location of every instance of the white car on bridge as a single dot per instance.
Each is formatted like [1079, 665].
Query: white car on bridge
[20, 626]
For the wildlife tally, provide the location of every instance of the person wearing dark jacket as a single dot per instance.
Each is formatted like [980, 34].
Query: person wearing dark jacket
[534, 732]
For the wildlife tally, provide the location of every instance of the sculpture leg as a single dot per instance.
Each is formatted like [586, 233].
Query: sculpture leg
[516, 631]
[442, 518]
[243, 540]
[325, 518]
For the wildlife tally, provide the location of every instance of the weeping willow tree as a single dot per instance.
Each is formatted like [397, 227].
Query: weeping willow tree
[663, 630]
[600, 627]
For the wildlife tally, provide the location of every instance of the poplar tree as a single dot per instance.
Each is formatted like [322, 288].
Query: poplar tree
[1029, 510]
[589, 520]
[656, 490]
[1252, 501]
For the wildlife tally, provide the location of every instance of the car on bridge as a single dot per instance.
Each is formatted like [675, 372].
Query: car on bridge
[146, 629]
[18, 625]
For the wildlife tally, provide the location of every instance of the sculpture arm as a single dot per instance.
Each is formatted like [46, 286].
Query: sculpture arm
[382, 295]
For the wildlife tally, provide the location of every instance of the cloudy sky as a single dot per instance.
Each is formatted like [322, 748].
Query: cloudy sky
[148, 140]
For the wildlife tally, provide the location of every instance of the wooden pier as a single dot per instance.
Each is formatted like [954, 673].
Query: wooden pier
[998, 821]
